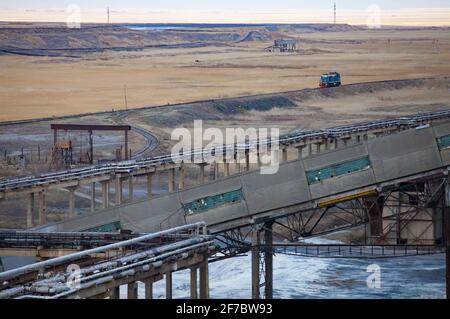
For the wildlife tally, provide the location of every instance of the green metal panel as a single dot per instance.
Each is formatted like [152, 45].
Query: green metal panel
[211, 202]
[108, 228]
[444, 142]
[325, 173]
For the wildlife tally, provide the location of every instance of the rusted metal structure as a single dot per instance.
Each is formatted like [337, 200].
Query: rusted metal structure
[283, 45]
[91, 129]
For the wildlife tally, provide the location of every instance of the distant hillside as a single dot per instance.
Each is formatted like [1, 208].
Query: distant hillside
[256, 36]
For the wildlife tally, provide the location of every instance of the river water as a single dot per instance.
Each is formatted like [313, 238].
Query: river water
[418, 277]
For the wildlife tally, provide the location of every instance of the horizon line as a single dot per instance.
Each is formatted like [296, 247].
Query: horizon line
[413, 17]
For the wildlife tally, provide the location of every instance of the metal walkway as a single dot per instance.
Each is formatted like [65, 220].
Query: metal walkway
[356, 251]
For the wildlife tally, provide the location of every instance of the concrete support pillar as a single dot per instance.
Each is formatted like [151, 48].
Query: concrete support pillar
[216, 170]
[365, 137]
[149, 185]
[327, 144]
[30, 210]
[201, 176]
[247, 160]
[171, 180]
[226, 168]
[93, 197]
[318, 148]
[105, 194]
[42, 208]
[238, 167]
[309, 149]
[258, 158]
[181, 177]
[119, 190]
[132, 290]
[169, 285]
[194, 288]
[115, 293]
[300, 151]
[204, 279]
[358, 138]
[285, 154]
[345, 140]
[72, 202]
[336, 143]
[148, 289]
[130, 189]
[255, 264]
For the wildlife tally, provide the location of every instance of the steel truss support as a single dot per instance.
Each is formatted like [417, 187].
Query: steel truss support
[323, 220]
[420, 202]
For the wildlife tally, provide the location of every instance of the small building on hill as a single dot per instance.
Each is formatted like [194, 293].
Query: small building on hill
[283, 45]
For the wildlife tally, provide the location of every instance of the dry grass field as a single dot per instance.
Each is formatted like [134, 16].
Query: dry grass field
[35, 86]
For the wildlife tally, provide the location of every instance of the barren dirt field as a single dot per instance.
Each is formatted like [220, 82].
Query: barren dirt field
[204, 66]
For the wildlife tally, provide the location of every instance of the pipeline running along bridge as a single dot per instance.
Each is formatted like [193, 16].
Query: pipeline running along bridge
[100, 271]
[396, 185]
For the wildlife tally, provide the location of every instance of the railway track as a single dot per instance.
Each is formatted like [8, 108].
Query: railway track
[151, 142]
[288, 139]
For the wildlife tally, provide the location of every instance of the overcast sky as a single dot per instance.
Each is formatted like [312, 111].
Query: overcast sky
[390, 12]
[225, 4]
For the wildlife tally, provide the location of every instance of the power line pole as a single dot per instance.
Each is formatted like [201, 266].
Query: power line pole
[108, 13]
[335, 9]
[125, 96]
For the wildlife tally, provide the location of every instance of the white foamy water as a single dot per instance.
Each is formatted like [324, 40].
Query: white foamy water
[300, 278]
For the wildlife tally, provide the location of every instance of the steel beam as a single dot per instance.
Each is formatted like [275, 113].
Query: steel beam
[268, 259]
[256, 242]
[81, 127]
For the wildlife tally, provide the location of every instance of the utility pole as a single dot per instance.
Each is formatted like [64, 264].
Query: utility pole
[108, 13]
[125, 96]
[335, 9]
